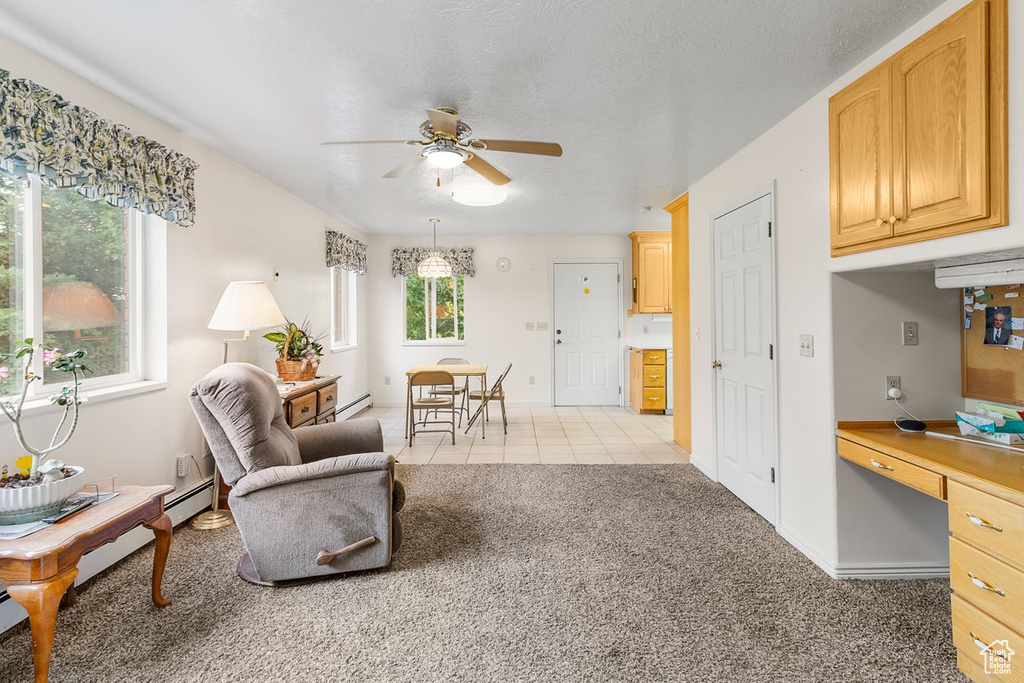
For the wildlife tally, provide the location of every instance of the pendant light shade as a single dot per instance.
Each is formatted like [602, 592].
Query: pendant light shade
[434, 266]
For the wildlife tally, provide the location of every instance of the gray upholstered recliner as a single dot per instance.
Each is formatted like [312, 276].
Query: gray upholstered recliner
[298, 496]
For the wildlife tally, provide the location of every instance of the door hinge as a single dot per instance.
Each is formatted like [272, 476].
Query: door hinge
[620, 334]
[620, 390]
[618, 278]
[771, 352]
[769, 228]
[773, 475]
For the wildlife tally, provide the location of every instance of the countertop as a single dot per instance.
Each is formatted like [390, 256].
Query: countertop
[634, 347]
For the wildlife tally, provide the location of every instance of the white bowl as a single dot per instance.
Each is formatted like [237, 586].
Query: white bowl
[33, 503]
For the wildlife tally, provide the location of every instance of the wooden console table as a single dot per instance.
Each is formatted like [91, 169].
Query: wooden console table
[41, 567]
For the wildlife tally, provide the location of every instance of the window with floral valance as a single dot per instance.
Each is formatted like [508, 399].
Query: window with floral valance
[67, 146]
[405, 259]
[345, 253]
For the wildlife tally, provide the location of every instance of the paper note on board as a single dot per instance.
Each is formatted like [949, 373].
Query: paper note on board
[979, 307]
[1012, 287]
[985, 297]
[968, 300]
[967, 321]
[1017, 323]
[1016, 342]
[979, 290]
[968, 309]
[1012, 295]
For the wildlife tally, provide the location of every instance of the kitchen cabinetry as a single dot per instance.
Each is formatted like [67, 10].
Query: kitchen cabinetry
[648, 380]
[652, 272]
[918, 145]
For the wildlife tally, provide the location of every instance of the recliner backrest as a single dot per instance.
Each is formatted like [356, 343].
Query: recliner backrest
[241, 413]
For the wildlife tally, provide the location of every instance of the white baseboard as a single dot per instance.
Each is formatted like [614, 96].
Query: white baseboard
[892, 571]
[355, 407]
[809, 551]
[705, 468]
[180, 508]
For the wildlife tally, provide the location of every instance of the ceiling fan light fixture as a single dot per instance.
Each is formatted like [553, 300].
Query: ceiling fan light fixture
[443, 154]
[479, 194]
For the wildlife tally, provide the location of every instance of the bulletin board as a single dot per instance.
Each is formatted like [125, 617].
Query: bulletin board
[992, 371]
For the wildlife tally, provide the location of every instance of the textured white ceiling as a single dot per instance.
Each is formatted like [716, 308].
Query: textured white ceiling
[644, 96]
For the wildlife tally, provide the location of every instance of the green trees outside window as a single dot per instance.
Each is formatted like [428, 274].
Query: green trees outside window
[434, 308]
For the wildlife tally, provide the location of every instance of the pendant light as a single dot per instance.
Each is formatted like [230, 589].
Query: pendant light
[434, 266]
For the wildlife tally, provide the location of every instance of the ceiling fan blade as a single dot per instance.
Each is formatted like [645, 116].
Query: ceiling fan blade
[486, 170]
[407, 166]
[442, 121]
[551, 149]
[371, 142]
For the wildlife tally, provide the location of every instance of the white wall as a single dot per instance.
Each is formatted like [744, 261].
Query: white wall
[869, 310]
[794, 154]
[498, 306]
[245, 227]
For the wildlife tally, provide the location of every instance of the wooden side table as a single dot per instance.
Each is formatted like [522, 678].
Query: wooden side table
[41, 567]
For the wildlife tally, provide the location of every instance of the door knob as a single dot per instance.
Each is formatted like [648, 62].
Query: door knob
[717, 365]
[558, 332]
[558, 341]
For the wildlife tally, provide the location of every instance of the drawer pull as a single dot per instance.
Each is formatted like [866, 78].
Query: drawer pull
[305, 409]
[984, 586]
[980, 522]
[984, 647]
[879, 466]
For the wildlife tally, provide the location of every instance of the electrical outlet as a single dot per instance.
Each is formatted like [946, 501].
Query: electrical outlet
[910, 334]
[533, 380]
[891, 382]
[646, 329]
[387, 381]
[182, 463]
[807, 345]
[529, 327]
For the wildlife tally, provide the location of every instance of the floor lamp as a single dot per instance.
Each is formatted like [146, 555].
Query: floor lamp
[245, 305]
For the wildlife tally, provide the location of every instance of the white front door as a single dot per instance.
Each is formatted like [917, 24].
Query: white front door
[586, 340]
[745, 404]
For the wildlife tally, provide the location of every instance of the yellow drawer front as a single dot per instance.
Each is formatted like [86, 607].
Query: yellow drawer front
[910, 475]
[655, 357]
[988, 583]
[973, 630]
[654, 375]
[987, 522]
[654, 399]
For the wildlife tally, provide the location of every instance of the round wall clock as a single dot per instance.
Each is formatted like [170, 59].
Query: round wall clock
[504, 265]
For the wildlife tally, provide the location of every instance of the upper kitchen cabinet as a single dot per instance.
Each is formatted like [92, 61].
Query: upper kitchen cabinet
[652, 272]
[918, 146]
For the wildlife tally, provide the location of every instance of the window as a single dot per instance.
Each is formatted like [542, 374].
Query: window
[69, 276]
[434, 309]
[343, 308]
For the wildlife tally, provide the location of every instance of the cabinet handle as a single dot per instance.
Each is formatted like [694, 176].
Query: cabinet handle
[879, 466]
[893, 220]
[305, 409]
[984, 586]
[980, 522]
[634, 290]
[881, 222]
[984, 647]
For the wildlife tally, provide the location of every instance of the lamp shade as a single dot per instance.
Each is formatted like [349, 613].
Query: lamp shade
[246, 305]
[434, 266]
[76, 306]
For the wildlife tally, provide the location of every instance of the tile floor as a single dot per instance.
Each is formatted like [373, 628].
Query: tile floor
[586, 435]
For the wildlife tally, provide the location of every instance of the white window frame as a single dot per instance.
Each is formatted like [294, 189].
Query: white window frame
[343, 292]
[33, 293]
[431, 303]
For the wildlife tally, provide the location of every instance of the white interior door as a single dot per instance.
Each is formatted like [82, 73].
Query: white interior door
[585, 303]
[745, 398]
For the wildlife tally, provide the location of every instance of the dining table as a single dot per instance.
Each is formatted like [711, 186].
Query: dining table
[463, 370]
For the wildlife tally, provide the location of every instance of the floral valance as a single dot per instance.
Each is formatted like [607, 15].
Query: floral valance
[68, 146]
[405, 260]
[345, 253]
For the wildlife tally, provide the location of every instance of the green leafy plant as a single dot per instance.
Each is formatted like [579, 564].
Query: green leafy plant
[300, 342]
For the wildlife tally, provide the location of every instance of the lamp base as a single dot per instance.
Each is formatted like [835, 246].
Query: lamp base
[212, 519]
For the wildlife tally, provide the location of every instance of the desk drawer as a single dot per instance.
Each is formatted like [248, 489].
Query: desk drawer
[301, 409]
[988, 583]
[655, 357]
[654, 399]
[971, 626]
[898, 470]
[990, 523]
[654, 375]
[327, 400]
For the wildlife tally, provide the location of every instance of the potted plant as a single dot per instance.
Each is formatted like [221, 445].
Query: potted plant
[298, 351]
[38, 489]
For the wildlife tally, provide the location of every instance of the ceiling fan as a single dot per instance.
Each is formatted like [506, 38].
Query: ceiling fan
[448, 142]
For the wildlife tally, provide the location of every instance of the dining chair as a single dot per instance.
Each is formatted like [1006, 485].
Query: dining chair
[495, 393]
[458, 391]
[442, 402]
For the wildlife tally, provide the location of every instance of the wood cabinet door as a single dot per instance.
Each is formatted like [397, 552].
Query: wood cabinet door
[940, 98]
[654, 286]
[636, 385]
[860, 159]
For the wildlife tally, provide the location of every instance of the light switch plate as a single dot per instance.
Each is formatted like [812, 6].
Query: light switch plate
[910, 334]
[529, 327]
[807, 345]
[542, 327]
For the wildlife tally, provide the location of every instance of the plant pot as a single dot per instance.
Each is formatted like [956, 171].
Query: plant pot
[33, 503]
[295, 370]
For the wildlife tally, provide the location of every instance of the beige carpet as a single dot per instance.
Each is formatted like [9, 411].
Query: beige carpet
[516, 573]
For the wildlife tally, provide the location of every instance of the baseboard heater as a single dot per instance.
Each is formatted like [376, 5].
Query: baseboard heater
[355, 407]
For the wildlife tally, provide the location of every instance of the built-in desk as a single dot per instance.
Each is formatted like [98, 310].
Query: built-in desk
[984, 487]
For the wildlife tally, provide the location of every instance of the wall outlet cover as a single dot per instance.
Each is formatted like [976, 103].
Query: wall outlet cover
[891, 382]
[807, 345]
[542, 327]
[529, 327]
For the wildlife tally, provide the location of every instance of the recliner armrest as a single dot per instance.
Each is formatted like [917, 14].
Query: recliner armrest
[321, 469]
[317, 442]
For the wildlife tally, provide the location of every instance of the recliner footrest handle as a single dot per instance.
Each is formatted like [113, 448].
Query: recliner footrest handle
[325, 557]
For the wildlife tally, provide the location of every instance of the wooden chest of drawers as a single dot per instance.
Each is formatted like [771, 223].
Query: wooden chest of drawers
[647, 380]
